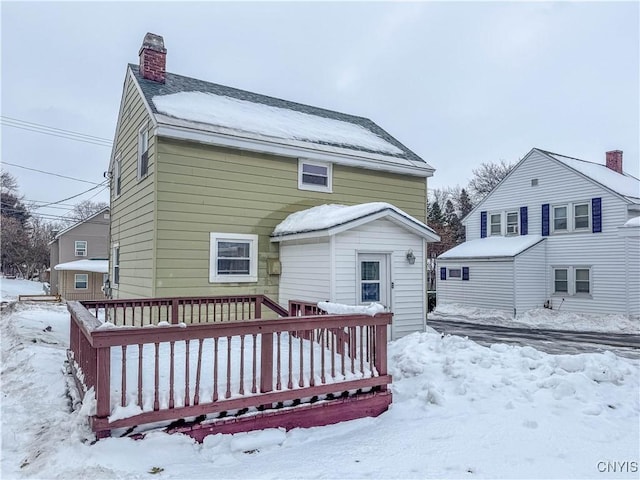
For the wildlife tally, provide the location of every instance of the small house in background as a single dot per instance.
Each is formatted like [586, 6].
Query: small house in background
[355, 255]
[557, 232]
[201, 175]
[79, 259]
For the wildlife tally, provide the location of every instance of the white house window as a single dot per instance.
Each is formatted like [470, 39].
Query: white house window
[513, 219]
[143, 152]
[572, 280]
[581, 216]
[495, 223]
[583, 283]
[370, 281]
[117, 175]
[233, 258]
[81, 248]
[455, 273]
[560, 218]
[316, 176]
[116, 265]
[561, 280]
[81, 281]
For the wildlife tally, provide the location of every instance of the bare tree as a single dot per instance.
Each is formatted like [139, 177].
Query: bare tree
[85, 209]
[486, 177]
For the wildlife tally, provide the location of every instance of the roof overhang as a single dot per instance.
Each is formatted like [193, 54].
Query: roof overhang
[96, 266]
[169, 127]
[388, 214]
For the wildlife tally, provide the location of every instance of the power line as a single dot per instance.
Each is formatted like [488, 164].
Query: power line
[73, 196]
[56, 132]
[50, 173]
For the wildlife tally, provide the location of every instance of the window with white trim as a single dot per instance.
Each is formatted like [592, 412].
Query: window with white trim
[81, 248]
[233, 257]
[572, 280]
[81, 281]
[495, 224]
[582, 216]
[115, 267]
[315, 176]
[143, 152]
[117, 175]
[455, 273]
[560, 223]
[513, 221]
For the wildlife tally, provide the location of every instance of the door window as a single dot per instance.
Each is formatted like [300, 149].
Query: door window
[370, 281]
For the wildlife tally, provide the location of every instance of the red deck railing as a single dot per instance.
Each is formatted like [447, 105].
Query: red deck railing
[215, 360]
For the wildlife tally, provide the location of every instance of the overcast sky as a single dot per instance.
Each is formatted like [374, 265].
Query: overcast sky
[458, 83]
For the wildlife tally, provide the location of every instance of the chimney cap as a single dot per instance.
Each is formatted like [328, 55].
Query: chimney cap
[153, 42]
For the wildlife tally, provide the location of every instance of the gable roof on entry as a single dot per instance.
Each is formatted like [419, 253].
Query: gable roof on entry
[327, 220]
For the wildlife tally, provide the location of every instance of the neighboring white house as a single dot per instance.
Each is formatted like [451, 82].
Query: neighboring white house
[557, 232]
[356, 255]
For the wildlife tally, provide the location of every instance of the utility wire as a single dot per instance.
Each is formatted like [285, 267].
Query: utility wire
[73, 196]
[56, 132]
[51, 173]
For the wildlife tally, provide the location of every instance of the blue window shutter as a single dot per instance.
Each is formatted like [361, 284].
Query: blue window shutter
[465, 273]
[596, 214]
[483, 224]
[443, 273]
[524, 221]
[545, 220]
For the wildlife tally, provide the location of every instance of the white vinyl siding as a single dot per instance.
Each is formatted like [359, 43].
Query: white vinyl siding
[408, 292]
[530, 278]
[305, 271]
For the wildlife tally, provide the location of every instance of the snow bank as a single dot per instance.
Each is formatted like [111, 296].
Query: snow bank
[10, 289]
[340, 309]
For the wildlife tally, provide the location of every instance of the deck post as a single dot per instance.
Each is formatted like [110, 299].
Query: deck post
[381, 351]
[266, 365]
[174, 311]
[103, 382]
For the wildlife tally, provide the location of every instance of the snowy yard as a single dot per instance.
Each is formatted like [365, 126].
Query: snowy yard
[459, 410]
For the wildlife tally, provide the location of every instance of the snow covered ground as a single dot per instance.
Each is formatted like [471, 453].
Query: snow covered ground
[540, 318]
[460, 410]
[11, 288]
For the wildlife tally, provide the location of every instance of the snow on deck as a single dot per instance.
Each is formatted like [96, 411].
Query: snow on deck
[492, 247]
[266, 120]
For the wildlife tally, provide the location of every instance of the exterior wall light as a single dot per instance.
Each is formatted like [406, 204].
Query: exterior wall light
[411, 258]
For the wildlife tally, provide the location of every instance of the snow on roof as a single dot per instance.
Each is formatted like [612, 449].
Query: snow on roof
[268, 120]
[634, 222]
[327, 216]
[98, 266]
[623, 184]
[492, 247]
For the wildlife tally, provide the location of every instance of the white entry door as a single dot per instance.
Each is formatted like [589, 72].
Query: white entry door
[374, 284]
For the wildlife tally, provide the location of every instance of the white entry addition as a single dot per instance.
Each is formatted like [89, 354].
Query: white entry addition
[373, 279]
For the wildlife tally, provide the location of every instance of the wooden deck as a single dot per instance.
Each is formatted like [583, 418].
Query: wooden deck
[220, 365]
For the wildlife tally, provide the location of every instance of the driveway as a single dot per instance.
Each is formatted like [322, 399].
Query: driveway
[551, 341]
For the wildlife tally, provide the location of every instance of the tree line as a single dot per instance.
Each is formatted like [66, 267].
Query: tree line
[25, 235]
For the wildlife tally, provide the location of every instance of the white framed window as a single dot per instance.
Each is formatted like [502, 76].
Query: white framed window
[513, 222]
[143, 152]
[495, 224]
[560, 220]
[81, 281]
[115, 266]
[81, 248]
[117, 175]
[572, 280]
[315, 176]
[582, 216]
[233, 257]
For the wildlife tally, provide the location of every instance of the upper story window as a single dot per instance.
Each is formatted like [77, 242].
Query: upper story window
[115, 273]
[81, 248]
[513, 220]
[316, 176]
[581, 216]
[455, 273]
[117, 175]
[495, 221]
[143, 152]
[233, 258]
[560, 218]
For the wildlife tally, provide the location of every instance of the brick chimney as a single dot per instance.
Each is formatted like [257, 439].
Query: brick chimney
[614, 160]
[153, 58]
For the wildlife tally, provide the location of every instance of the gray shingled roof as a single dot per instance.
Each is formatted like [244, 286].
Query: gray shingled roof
[177, 83]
